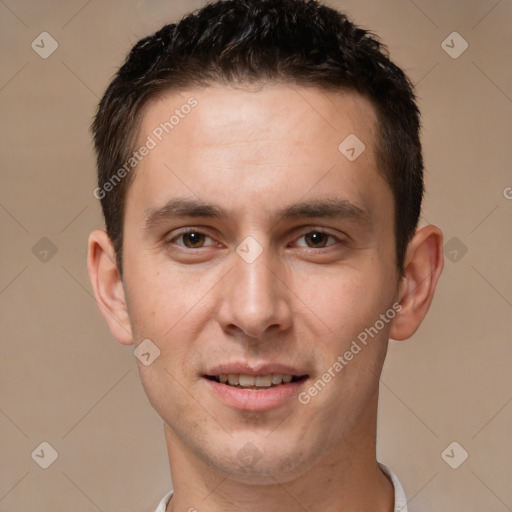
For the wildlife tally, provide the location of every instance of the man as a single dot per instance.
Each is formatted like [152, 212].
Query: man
[260, 174]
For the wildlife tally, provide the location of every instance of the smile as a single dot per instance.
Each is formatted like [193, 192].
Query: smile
[242, 381]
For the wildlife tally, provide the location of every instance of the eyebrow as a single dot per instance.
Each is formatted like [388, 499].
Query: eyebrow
[332, 208]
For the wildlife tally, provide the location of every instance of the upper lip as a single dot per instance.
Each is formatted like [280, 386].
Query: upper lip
[255, 370]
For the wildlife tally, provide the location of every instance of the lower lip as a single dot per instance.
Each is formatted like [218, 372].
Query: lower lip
[258, 399]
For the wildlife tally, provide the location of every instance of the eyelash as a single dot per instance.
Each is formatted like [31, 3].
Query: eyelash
[186, 231]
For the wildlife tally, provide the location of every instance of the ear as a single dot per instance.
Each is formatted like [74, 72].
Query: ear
[108, 286]
[422, 267]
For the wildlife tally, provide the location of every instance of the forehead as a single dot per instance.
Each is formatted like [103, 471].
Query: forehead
[234, 144]
[224, 115]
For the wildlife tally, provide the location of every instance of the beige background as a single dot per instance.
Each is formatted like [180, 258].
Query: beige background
[65, 381]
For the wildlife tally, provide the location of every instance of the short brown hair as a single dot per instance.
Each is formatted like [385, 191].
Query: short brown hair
[243, 41]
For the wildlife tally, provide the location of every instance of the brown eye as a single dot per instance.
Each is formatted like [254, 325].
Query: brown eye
[193, 239]
[189, 238]
[316, 239]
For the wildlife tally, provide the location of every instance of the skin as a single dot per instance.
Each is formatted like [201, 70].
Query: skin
[253, 151]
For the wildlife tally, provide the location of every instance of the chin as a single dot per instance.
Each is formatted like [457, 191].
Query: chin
[266, 467]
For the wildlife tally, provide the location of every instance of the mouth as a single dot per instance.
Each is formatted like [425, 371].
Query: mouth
[259, 387]
[255, 382]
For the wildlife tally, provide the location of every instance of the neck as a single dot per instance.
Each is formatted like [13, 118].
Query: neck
[346, 478]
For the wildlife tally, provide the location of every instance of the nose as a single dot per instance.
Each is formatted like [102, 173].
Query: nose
[255, 298]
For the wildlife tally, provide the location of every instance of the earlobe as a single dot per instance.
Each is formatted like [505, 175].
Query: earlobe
[422, 267]
[108, 286]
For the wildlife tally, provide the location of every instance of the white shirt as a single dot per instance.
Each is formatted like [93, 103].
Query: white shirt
[400, 499]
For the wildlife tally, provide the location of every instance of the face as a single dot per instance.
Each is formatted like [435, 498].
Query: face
[256, 252]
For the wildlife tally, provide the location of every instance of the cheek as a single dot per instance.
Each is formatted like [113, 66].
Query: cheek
[158, 302]
[171, 309]
[164, 308]
[350, 350]
[346, 302]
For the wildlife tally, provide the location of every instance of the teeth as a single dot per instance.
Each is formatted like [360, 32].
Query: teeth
[233, 379]
[262, 381]
[246, 380]
[277, 378]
